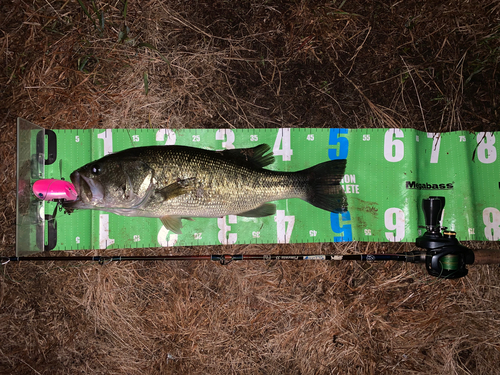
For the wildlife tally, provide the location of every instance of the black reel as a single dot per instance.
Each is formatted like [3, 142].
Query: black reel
[445, 257]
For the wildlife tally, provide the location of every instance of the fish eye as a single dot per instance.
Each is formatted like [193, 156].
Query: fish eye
[95, 169]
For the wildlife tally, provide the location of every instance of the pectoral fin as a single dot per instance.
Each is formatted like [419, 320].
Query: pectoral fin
[176, 189]
[173, 223]
[265, 210]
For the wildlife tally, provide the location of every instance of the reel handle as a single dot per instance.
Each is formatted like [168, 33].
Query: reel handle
[433, 209]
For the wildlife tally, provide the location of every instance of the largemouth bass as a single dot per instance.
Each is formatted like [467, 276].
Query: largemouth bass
[180, 182]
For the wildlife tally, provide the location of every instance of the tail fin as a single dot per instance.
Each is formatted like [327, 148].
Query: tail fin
[324, 189]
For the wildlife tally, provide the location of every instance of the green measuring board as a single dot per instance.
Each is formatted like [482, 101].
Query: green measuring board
[389, 172]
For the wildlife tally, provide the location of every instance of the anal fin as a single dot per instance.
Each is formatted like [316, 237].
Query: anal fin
[266, 209]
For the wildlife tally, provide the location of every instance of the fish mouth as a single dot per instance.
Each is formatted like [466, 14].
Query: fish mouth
[90, 192]
[75, 180]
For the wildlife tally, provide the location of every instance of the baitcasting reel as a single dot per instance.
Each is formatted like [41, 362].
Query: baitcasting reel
[445, 257]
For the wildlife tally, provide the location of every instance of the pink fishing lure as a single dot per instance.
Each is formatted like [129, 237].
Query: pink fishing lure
[52, 189]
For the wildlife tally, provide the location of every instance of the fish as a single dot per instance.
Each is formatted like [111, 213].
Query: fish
[176, 182]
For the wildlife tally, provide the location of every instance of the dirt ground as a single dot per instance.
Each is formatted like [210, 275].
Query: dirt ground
[429, 65]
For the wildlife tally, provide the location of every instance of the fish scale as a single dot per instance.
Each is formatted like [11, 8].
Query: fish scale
[176, 182]
[238, 189]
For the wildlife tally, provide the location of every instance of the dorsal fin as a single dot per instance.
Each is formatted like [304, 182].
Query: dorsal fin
[256, 157]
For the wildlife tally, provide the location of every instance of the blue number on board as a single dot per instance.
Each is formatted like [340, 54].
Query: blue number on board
[339, 226]
[342, 143]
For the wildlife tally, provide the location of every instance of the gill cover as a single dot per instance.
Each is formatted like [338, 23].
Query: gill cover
[112, 182]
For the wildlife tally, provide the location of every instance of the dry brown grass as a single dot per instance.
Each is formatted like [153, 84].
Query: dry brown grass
[424, 65]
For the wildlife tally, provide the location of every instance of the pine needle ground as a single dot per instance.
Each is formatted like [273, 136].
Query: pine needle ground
[216, 64]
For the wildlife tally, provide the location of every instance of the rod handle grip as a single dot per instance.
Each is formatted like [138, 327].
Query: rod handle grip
[487, 256]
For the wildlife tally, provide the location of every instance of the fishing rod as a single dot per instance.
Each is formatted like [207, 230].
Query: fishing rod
[224, 258]
[452, 266]
[443, 255]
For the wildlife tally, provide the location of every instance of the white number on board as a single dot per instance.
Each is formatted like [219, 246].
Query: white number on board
[284, 230]
[436, 144]
[486, 152]
[394, 219]
[164, 239]
[282, 144]
[104, 240]
[227, 138]
[171, 137]
[491, 220]
[224, 237]
[107, 137]
[394, 150]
